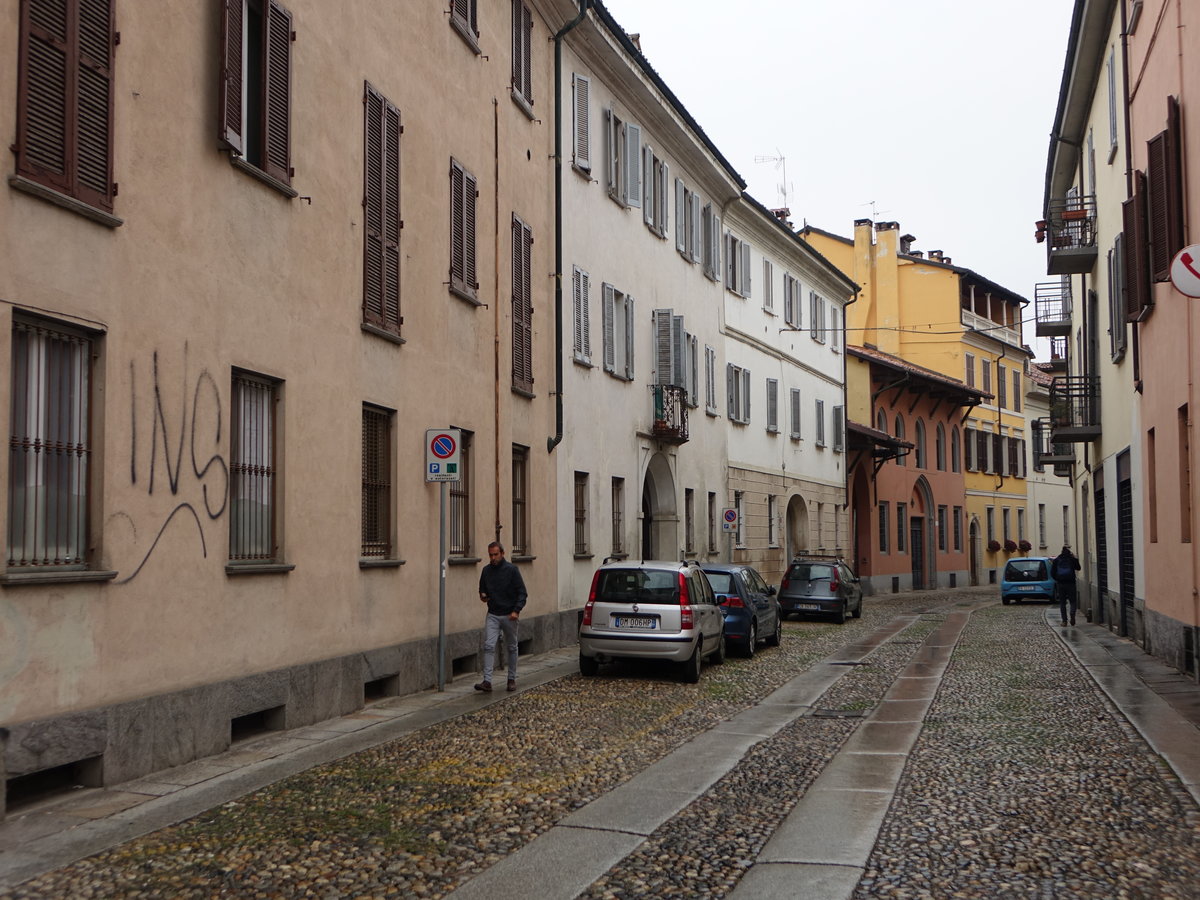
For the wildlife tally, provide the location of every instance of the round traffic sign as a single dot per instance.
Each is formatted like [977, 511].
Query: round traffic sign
[1185, 271]
[731, 515]
[443, 446]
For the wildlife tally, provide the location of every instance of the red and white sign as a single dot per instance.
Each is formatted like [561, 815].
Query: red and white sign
[1185, 271]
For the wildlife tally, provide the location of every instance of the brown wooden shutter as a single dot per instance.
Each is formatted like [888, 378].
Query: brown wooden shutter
[468, 233]
[1174, 172]
[277, 85]
[522, 305]
[232, 129]
[65, 103]
[462, 230]
[527, 44]
[381, 207]
[1156, 179]
[1138, 295]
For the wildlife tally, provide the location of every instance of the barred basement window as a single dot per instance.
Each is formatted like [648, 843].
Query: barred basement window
[519, 542]
[460, 502]
[252, 473]
[49, 447]
[581, 514]
[376, 482]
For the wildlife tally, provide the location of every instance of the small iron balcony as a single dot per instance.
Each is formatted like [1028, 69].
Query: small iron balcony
[1058, 356]
[1052, 305]
[1074, 409]
[670, 413]
[1071, 235]
[1047, 453]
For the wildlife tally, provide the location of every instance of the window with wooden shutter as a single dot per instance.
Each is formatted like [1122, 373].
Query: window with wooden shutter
[582, 87]
[710, 380]
[464, 20]
[794, 431]
[1165, 195]
[772, 405]
[1138, 296]
[820, 421]
[582, 340]
[522, 49]
[65, 98]
[618, 322]
[256, 84]
[462, 232]
[522, 306]
[381, 210]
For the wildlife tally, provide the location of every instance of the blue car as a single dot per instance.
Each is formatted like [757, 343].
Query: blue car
[1027, 578]
[751, 611]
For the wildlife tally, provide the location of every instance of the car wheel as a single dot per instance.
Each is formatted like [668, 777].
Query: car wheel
[840, 618]
[858, 609]
[718, 655]
[751, 641]
[1005, 600]
[691, 668]
[588, 666]
[777, 634]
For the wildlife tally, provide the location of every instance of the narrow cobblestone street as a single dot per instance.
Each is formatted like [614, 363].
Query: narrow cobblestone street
[1024, 781]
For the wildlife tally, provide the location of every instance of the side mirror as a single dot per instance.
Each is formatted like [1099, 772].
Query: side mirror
[771, 592]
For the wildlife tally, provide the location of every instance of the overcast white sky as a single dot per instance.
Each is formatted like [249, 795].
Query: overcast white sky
[938, 111]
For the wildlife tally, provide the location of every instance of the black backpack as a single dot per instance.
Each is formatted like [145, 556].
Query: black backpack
[1064, 569]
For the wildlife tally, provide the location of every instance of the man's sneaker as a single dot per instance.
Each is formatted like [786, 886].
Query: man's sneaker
[1064, 625]
[486, 686]
[1072, 621]
[512, 684]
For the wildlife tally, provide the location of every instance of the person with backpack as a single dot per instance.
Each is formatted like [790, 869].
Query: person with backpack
[1063, 568]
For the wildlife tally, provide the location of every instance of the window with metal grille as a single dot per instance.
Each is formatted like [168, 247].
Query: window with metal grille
[460, 502]
[901, 526]
[883, 526]
[381, 211]
[252, 472]
[49, 447]
[65, 98]
[739, 534]
[957, 529]
[256, 84]
[712, 522]
[941, 527]
[581, 514]
[522, 52]
[519, 541]
[522, 307]
[376, 482]
[772, 521]
[689, 520]
[462, 232]
[618, 516]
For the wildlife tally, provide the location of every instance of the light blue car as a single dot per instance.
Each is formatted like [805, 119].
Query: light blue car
[1027, 578]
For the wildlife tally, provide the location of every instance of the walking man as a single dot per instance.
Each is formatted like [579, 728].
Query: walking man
[1063, 568]
[503, 590]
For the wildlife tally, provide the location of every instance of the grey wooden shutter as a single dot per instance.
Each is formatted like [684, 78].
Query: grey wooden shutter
[693, 361]
[772, 405]
[649, 184]
[745, 395]
[633, 164]
[612, 143]
[695, 244]
[522, 305]
[664, 346]
[582, 345]
[795, 413]
[731, 392]
[232, 128]
[745, 285]
[664, 199]
[583, 128]
[680, 216]
[278, 85]
[679, 352]
[608, 316]
[469, 194]
[629, 319]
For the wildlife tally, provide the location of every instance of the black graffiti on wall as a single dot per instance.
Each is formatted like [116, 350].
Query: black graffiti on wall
[191, 416]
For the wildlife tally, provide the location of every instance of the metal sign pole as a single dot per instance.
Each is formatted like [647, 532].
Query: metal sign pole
[442, 590]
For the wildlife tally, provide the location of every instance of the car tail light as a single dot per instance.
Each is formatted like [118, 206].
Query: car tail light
[734, 602]
[783, 585]
[834, 583]
[591, 600]
[686, 617]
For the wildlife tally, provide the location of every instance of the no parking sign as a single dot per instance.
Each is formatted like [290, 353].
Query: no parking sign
[443, 454]
[729, 520]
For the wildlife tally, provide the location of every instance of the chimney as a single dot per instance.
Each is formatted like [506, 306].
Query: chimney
[946, 260]
[935, 255]
[906, 242]
[917, 253]
[887, 226]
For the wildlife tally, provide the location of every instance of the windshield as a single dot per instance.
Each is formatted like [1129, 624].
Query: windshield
[722, 582]
[810, 572]
[638, 586]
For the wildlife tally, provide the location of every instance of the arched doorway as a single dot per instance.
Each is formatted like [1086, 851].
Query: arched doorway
[921, 544]
[860, 504]
[797, 526]
[974, 550]
[660, 515]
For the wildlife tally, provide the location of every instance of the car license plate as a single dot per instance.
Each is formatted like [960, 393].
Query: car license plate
[1027, 587]
[635, 622]
[807, 606]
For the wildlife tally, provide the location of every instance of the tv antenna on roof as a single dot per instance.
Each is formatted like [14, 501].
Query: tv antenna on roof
[783, 186]
[875, 212]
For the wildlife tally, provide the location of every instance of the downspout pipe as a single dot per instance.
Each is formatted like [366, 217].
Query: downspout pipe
[554, 441]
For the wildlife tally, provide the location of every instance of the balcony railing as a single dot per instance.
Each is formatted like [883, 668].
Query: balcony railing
[1058, 354]
[1052, 305]
[1071, 235]
[1044, 451]
[670, 413]
[1074, 408]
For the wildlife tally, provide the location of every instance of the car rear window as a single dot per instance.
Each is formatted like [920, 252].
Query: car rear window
[1025, 570]
[810, 572]
[638, 586]
[722, 582]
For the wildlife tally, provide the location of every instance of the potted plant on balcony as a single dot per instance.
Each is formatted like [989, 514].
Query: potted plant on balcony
[1010, 546]
[993, 546]
[1025, 546]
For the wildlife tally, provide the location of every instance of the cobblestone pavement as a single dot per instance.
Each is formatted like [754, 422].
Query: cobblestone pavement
[1024, 783]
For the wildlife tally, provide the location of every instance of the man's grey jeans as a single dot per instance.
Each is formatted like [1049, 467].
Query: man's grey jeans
[491, 634]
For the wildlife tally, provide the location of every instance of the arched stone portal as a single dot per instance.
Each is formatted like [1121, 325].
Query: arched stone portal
[860, 504]
[797, 526]
[660, 515]
[922, 540]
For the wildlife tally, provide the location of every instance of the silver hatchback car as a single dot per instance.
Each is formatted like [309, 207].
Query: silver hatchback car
[651, 609]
